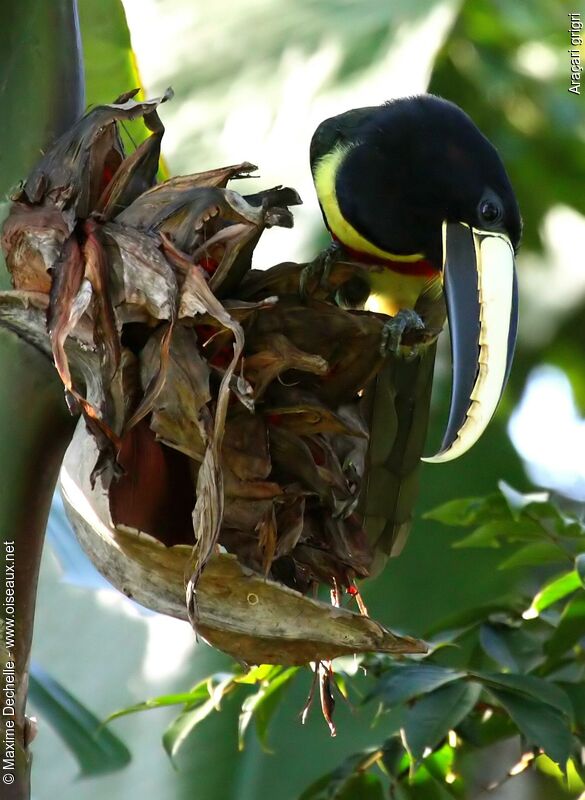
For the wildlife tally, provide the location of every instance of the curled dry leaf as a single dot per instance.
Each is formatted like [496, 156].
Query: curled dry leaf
[220, 409]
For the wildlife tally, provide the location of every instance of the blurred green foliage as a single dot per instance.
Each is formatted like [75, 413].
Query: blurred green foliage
[506, 64]
[512, 670]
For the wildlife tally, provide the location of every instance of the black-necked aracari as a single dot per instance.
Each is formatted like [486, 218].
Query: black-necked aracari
[414, 188]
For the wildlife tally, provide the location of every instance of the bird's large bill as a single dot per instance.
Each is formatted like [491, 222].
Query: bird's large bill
[479, 282]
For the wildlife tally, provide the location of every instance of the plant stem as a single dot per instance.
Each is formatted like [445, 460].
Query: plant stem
[41, 94]
[35, 430]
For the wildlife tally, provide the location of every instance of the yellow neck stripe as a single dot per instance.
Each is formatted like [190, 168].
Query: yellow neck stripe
[325, 174]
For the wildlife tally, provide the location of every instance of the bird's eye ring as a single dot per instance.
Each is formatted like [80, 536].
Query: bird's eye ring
[490, 212]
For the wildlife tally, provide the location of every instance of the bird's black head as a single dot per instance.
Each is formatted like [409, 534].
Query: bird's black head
[409, 166]
[416, 181]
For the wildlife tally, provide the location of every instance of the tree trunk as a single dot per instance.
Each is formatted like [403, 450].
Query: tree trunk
[41, 95]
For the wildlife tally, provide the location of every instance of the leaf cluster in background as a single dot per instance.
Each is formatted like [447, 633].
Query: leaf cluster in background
[510, 671]
[509, 62]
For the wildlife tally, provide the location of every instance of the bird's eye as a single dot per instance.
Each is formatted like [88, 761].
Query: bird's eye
[490, 212]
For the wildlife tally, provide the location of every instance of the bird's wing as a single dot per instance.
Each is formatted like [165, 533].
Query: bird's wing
[396, 407]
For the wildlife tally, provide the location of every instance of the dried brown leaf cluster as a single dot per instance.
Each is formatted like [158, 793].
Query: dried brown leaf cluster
[224, 406]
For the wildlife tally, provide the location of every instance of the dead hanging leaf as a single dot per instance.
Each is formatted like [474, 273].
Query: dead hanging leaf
[32, 241]
[285, 279]
[351, 450]
[182, 213]
[278, 198]
[319, 566]
[275, 356]
[348, 543]
[136, 174]
[290, 512]
[242, 544]
[212, 178]
[70, 297]
[245, 446]
[251, 490]
[244, 514]
[326, 682]
[196, 297]
[157, 381]
[211, 224]
[180, 417]
[239, 387]
[142, 278]
[306, 416]
[279, 281]
[97, 273]
[348, 340]
[299, 458]
[68, 301]
[75, 171]
[266, 530]
[242, 310]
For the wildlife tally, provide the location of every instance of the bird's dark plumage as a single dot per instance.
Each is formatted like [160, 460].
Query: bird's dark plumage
[414, 187]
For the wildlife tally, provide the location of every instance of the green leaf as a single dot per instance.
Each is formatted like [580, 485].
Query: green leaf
[179, 730]
[110, 67]
[481, 730]
[258, 674]
[576, 693]
[440, 763]
[334, 785]
[262, 706]
[540, 724]
[318, 789]
[197, 695]
[580, 567]
[362, 785]
[484, 536]
[404, 683]
[487, 535]
[554, 590]
[529, 685]
[394, 756]
[517, 501]
[96, 749]
[463, 511]
[429, 720]
[571, 627]
[357, 786]
[463, 620]
[513, 649]
[533, 555]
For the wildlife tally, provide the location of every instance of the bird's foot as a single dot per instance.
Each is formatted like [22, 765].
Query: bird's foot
[315, 274]
[403, 330]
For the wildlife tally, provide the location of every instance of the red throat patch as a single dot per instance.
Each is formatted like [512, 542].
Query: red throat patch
[421, 267]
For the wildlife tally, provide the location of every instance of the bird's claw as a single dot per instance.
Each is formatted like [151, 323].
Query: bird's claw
[396, 328]
[315, 275]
